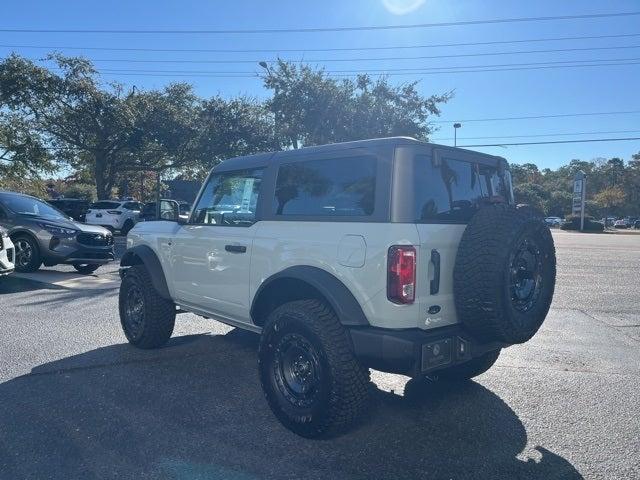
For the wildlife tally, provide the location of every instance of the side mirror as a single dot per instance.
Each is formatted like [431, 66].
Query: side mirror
[169, 211]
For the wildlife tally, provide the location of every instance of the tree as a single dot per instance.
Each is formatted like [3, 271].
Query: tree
[610, 198]
[531, 194]
[23, 156]
[311, 108]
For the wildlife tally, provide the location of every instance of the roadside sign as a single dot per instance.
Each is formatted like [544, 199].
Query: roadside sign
[579, 194]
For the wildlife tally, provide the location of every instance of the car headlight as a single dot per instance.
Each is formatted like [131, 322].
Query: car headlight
[56, 230]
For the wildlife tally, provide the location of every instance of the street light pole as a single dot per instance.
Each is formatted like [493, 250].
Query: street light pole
[456, 126]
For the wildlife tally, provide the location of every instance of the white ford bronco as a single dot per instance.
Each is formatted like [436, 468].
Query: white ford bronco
[393, 254]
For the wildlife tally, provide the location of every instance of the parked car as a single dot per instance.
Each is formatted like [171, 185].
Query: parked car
[636, 224]
[73, 207]
[7, 253]
[114, 215]
[621, 224]
[392, 254]
[43, 234]
[149, 212]
[553, 221]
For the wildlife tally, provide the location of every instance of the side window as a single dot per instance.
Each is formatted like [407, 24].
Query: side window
[453, 190]
[332, 187]
[230, 199]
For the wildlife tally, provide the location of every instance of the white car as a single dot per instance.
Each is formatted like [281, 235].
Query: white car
[553, 221]
[390, 254]
[7, 253]
[114, 215]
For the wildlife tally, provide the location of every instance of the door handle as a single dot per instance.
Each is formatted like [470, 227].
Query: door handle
[434, 286]
[235, 248]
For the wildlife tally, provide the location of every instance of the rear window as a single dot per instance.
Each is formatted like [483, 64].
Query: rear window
[332, 187]
[452, 191]
[105, 205]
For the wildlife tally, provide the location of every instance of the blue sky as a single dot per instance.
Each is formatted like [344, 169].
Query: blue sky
[611, 88]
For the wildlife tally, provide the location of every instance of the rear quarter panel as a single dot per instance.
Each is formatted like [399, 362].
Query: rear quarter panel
[282, 244]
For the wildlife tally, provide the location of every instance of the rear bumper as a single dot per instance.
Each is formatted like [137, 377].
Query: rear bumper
[416, 352]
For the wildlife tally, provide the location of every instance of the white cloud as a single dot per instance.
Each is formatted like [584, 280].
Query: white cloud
[402, 7]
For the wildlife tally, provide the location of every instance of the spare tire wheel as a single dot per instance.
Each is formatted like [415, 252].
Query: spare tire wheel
[505, 273]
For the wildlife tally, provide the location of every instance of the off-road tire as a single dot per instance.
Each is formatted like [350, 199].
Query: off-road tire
[467, 370]
[484, 271]
[36, 259]
[86, 269]
[342, 391]
[157, 313]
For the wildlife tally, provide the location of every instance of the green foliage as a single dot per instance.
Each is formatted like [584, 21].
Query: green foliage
[613, 187]
[590, 225]
[311, 108]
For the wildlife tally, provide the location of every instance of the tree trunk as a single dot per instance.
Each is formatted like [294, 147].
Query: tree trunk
[103, 190]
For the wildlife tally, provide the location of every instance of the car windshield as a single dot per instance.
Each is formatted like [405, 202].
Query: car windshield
[24, 205]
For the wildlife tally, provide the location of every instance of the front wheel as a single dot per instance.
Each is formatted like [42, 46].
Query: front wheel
[468, 370]
[126, 228]
[27, 254]
[310, 377]
[86, 268]
[147, 318]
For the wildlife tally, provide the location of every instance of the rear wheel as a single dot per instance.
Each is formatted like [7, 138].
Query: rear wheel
[311, 379]
[86, 268]
[147, 319]
[27, 254]
[470, 369]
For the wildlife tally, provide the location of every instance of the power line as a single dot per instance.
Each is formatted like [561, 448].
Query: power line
[391, 72]
[332, 29]
[543, 135]
[534, 117]
[365, 59]
[335, 49]
[552, 142]
[589, 140]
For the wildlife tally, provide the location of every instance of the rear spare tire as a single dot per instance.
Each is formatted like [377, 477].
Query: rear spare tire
[505, 272]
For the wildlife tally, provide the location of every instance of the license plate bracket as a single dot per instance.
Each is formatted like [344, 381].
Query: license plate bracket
[436, 354]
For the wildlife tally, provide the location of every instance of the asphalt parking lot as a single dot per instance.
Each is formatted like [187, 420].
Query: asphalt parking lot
[77, 402]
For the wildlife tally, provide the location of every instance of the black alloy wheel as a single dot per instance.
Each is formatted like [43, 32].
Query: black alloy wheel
[526, 275]
[297, 370]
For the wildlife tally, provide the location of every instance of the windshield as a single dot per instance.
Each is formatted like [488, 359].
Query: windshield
[24, 205]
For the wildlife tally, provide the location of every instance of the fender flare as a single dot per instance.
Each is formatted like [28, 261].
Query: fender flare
[144, 255]
[339, 297]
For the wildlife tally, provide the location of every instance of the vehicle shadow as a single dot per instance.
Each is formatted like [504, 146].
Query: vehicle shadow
[195, 410]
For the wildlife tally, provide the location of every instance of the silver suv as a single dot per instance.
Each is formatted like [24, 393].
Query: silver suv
[392, 254]
[44, 235]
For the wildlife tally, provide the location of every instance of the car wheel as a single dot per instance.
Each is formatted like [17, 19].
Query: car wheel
[27, 254]
[86, 268]
[128, 225]
[147, 318]
[310, 376]
[467, 370]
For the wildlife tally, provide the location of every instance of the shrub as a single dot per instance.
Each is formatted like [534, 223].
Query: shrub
[590, 225]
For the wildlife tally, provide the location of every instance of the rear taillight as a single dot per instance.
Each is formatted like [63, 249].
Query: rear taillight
[401, 274]
[114, 212]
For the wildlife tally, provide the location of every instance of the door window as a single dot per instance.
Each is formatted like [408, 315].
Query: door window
[230, 199]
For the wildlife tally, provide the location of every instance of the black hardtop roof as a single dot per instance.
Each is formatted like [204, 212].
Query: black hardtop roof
[262, 159]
